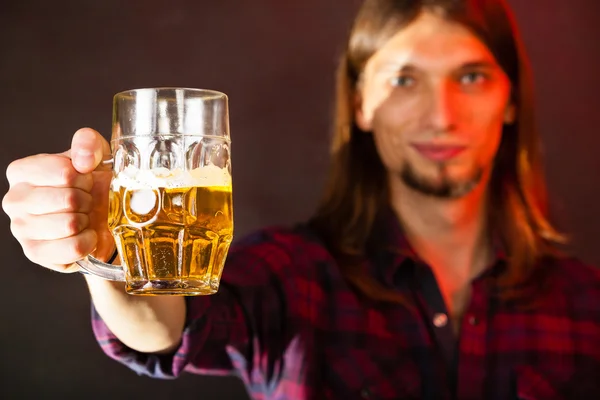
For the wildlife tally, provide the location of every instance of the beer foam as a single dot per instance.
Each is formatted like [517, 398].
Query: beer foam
[133, 178]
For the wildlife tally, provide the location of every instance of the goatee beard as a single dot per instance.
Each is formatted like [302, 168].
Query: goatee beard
[444, 188]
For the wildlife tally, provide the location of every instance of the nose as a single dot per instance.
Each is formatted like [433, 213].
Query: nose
[442, 110]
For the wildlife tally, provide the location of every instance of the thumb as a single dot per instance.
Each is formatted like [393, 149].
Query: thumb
[88, 149]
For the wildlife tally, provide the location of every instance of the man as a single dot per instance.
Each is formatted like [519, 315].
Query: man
[430, 269]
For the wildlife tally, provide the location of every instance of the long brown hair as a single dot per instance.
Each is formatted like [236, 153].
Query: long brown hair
[357, 187]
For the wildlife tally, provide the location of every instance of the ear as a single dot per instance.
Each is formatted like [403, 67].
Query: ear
[361, 120]
[510, 114]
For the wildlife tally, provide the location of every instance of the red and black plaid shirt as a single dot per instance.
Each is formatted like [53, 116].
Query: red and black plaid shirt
[287, 323]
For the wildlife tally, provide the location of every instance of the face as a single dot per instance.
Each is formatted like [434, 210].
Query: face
[435, 99]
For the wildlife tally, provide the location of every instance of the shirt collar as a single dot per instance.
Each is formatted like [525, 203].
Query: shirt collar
[391, 253]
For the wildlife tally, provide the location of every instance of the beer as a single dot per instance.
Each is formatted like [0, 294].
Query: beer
[173, 228]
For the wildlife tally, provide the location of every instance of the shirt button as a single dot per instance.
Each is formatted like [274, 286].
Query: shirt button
[440, 320]
[365, 393]
[473, 320]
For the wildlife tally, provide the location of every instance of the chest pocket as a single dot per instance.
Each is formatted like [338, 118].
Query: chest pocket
[583, 382]
[532, 385]
[361, 374]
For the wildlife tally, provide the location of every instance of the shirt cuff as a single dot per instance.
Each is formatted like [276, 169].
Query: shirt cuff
[162, 366]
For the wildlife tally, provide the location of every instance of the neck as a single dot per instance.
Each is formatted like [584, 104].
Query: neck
[451, 235]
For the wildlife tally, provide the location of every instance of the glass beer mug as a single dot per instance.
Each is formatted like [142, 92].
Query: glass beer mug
[170, 200]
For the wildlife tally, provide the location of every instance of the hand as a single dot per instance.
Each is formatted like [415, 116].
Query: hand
[58, 203]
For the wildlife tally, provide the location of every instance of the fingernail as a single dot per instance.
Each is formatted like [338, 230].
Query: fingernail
[83, 159]
[83, 153]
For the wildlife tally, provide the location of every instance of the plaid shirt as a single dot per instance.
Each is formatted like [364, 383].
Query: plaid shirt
[287, 323]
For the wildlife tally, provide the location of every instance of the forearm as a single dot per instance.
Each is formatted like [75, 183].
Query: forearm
[149, 324]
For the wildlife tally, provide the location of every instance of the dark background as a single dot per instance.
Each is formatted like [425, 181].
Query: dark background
[61, 62]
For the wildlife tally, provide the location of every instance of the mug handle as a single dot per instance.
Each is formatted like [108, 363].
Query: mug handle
[92, 266]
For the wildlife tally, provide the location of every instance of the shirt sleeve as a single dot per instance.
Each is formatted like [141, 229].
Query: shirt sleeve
[243, 325]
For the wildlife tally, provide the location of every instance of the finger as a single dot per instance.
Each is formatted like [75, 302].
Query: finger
[64, 268]
[88, 149]
[24, 199]
[50, 226]
[62, 251]
[47, 170]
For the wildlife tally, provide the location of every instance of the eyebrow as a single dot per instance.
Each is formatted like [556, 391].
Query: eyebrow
[409, 67]
[479, 64]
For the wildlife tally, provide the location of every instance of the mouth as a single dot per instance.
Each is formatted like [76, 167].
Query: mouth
[438, 152]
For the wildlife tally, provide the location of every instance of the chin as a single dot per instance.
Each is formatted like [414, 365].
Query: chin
[441, 182]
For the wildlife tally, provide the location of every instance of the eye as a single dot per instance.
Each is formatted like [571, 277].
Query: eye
[402, 81]
[473, 78]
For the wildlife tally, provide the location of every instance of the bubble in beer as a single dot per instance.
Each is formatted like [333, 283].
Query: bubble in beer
[142, 201]
[140, 206]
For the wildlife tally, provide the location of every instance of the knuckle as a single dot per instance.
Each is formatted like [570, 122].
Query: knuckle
[13, 199]
[30, 250]
[8, 203]
[74, 224]
[79, 248]
[68, 174]
[70, 200]
[11, 170]
[16, 227]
